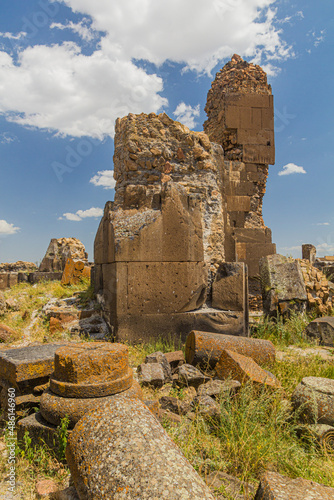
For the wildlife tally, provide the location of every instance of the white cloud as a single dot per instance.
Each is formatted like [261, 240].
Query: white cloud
[82, 214]
[60, 89]
[11, 36]
[104, 178]
[81, 28]
[6, 138]
[7, 228]
[323, 224]
[186, 114]
[291, 168]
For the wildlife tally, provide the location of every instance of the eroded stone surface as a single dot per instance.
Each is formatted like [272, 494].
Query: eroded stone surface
[191, 376]
[274, 486]
[53, 407]
[321, 329]
[89, 370]
[59, 250]
[315, 398]
[215, 388]
[120, 451]
[242, 368]
[205, 348]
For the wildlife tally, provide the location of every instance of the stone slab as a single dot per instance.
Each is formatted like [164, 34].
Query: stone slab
[242, 368]
[274, 486]
[27, 363]
[229, 289]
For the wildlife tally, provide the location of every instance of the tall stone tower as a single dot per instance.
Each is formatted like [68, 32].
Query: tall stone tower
[240, 114]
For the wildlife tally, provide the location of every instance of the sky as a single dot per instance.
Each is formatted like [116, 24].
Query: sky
[69, 68]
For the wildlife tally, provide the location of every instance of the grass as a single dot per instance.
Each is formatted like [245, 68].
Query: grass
[256, 431]
[30, 300]
[284, 332]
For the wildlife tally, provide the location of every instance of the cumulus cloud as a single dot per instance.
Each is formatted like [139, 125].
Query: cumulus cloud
[104, 178]
[61, 89]
[81, 28]
[7, 228]
[82, 214]
[186, 114]
[291, 168]
[323, 224]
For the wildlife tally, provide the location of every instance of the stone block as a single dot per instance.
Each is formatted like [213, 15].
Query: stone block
[191, 376]
[40, 431]
[205, 348]
[238, 203]
[151, 374]
[229, 289]
[282, 282]
[206, 406]
[174, 405]
[165, 287]
[232, 116]
[143, 462]
[315, 398]
[242, 368]
[216, 388]
[38, 276]
[321, 329]
[259, 154]
[25, 364]
[91, 370]
[175, 359]
[159, 357]
[274, 486]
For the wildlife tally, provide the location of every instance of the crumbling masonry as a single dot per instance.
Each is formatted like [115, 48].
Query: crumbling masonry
[172, 250]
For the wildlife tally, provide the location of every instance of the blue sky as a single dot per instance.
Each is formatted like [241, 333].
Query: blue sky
[69, 68]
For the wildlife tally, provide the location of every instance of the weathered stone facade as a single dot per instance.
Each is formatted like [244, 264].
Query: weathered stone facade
[241, 119]
[182, 209]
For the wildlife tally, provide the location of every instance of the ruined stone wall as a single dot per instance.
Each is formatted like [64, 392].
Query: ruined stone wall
[241, 119]
[59, 250]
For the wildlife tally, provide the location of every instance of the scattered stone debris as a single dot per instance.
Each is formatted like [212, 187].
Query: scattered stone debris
[7, 334]
[109, 453]
[191, 376]
[216, 388]
[75, 270]
[274, 486]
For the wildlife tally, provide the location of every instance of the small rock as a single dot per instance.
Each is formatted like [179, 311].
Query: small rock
[46, 487]
[206, 406]
[12, 304]
[159, 357]
[214, 388]
[165, 390]
[230, 486]
[189, 393]
[6, 333]
[68, 493]
[189, 375]
[175, 359]
[151, 374]
[321, 329]
[174, 405]
[170, 416]
[153, 406]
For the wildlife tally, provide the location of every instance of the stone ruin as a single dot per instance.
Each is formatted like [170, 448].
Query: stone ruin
[172, 251]
[52, 266]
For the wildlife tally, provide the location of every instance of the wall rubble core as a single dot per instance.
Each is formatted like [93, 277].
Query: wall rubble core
[182, 209]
